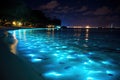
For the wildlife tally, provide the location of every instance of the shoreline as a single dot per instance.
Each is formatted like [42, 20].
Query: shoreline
[12, 67]
[13, 28]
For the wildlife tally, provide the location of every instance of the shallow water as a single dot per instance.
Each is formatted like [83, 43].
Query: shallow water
[71, 54]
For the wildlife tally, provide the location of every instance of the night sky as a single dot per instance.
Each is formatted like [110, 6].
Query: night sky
[80, 12]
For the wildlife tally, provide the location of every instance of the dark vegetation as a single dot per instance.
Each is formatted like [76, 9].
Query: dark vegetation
[17, 10]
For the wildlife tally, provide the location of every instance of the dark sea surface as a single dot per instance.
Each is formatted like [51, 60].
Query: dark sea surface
[71, 54]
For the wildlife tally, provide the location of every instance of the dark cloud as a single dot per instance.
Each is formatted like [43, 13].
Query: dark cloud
[81, 11]
[88, 13]
[102, 11]
[83, 8]
[49, 6]
[64, 9]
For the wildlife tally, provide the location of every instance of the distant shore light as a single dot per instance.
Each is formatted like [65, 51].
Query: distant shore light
[14, 23]
[87, 27]
[19, 24]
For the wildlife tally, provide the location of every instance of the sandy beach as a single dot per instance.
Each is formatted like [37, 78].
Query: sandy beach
[11, 66]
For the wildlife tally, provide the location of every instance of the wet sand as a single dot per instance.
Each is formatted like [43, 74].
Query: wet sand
[11, 66]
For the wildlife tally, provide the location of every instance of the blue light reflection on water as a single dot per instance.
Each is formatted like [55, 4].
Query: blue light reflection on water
[70, 54]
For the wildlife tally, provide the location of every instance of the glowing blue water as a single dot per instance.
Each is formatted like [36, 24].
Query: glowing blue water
[72, 54]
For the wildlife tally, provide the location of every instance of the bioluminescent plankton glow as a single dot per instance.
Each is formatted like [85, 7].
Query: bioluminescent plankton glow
[68, 55]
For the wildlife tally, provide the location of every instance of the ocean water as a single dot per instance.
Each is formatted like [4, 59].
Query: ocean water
[71, 54]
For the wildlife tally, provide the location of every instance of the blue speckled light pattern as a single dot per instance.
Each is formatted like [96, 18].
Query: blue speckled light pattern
[71, 54]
